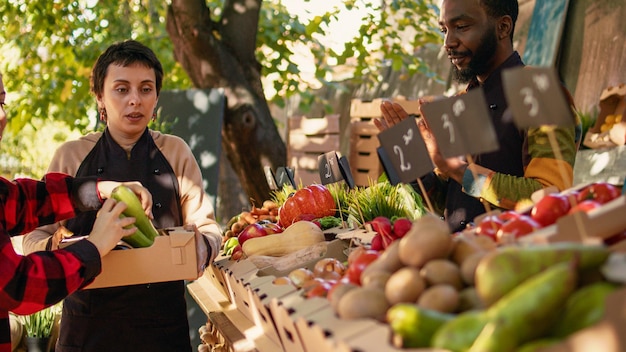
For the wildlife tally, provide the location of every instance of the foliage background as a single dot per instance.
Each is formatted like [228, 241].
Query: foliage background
[48, 83]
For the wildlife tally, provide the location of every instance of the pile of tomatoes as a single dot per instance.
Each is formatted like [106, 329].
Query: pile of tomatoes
[510, 225]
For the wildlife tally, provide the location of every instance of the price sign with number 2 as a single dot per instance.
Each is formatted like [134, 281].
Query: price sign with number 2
[404, 146]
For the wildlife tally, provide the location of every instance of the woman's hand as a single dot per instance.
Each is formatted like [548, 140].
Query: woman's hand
[106, 188]
[202, 251]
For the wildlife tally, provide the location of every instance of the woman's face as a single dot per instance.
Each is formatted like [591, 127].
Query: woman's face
[129, 97]
[3, 115]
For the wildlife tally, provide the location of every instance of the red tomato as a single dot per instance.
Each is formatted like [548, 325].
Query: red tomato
[585, 206]
[489, 226]
[356, 267]
[508, 215]
[518, 227]
[313, 200]
[601, 192]
[549, 208]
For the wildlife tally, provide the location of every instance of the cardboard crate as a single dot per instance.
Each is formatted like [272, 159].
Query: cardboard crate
[261, 297]
[171, 257]
[307, 139]
[377, 338]
[287, 310]
[237, 274]
[606, 223]
[369, 109]
[215, 273]
[241, 294]
[612, 102]
[305, 166]
[364, 162]
[320, 331]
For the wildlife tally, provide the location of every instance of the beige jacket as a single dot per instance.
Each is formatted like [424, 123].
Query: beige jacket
[195, 203]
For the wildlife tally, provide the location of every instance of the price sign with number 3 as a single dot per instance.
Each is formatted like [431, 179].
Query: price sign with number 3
[536, 97]
[461, 124]
[404, 147]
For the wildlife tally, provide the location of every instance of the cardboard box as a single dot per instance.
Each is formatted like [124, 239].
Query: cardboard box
[171, 257]
[237, 274]
[308, 138]
[368, 109]
[241, 294]
[287, 310]
[606, 133]
[597, 226]
[321, 330]
[261, 297]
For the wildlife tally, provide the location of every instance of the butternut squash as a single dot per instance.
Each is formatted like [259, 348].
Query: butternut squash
[299, 235]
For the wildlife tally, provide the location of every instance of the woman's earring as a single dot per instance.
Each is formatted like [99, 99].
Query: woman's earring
[103, 115]
[154, 116]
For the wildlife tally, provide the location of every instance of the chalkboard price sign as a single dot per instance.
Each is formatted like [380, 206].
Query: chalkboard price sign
[328, 166]
[284, 176]
[536, 97]
[461, 124]
[405, 148]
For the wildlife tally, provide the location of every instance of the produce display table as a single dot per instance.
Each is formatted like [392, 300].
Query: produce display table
[248, 310]
[230, 327]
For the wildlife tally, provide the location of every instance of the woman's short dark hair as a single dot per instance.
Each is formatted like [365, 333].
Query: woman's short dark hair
[499, 8]
[124, 54]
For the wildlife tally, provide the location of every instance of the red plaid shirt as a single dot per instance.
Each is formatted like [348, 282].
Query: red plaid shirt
[31, 283]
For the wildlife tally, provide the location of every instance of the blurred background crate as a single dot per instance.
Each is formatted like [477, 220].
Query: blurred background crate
[364, 162]
[308, 138]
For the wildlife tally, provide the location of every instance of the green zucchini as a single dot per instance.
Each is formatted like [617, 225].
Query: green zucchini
[137, 239]
[134, 209]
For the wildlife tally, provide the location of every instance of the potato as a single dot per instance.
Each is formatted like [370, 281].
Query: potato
[468, 267]
[405, 285]
[429, 238]
[376, 278]
[363, 302]
[443, 298]
[442, 271]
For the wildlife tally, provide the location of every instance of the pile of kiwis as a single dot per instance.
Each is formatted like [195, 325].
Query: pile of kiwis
[428, 266]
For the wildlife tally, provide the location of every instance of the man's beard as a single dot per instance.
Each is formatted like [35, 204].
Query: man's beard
[480, 60]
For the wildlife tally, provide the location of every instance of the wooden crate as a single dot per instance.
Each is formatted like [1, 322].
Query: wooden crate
[308, 138]
[369, 109]
[364, 162]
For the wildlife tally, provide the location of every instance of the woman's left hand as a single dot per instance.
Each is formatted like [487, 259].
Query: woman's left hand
[202, 251]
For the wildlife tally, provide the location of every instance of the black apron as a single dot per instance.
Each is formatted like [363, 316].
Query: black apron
[510, 158]
[149, 317]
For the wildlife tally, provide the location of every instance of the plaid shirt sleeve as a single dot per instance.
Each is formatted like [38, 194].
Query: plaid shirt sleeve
[33, 282]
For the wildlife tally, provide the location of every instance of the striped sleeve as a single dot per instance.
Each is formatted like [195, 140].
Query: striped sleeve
[551, 151]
